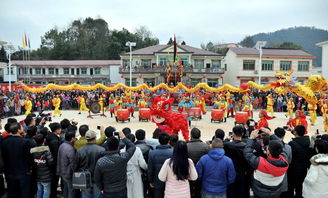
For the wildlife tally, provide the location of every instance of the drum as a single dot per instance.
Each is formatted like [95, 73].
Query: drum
[123, 114]
[241, 117]
[197, 111]
[95, 108]
[144, 114]
[217, 115]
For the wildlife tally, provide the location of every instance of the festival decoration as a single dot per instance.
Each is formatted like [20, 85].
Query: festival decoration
[167, 120]
[283, 84]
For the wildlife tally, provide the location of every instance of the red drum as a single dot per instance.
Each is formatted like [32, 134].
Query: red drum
[196, 111]
[123, 114]
[217, 115]
[241, 117]
[144, 114]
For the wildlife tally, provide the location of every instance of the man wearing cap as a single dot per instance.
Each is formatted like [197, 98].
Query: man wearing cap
[86, 159]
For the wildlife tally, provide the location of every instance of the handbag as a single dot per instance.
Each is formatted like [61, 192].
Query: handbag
[82, 180]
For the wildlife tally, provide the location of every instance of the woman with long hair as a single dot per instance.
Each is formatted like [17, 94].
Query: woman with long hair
[176, 172]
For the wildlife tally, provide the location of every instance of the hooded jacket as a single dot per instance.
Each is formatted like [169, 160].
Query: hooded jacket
[43, 162]
[315, 182]
[216, 171]
[269, 173]
[301, 153]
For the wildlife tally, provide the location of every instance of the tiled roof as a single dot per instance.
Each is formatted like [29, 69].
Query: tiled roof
[67, 62]
[271, 52]
[158, 48]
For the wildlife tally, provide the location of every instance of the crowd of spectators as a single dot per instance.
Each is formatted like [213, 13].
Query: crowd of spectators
[39, 158]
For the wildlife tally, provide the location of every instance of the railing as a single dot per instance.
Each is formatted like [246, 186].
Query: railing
[63, 76]
[162, 69]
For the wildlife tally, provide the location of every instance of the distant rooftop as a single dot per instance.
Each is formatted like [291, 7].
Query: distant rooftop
[151, 50]
[273, 52]
[67, 62]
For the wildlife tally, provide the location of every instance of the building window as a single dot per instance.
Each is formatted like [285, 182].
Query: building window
[134, 82]
[51, 71]
[163, 61]
[24, 70]
[72, 71]
[97, 70]
[57, 71]
[84, 70]
[199, 64]
[38, 71]
[303, 65]
[149, 80]
[249, 65]
[146, 62]
[126, 63]
[216, 64]
[285, 65]
[78, 71]
[267, 65]
[184, 59]
[195, 81]
[11, 71]
[212, 82]
[43, 71]
[66, 71]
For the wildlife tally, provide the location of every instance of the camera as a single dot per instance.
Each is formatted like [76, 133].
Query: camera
[98, 127]
[45, 116]
[115, 133]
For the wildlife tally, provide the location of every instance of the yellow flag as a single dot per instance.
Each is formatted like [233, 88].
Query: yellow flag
[23, 42]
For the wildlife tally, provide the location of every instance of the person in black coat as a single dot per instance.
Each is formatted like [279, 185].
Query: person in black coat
[53, 141]
[43, 164]
[17, 162]
[302, 154]
[234, 149]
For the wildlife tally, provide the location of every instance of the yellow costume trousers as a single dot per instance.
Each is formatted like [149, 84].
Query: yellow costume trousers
[290, 113]
[56, 111]
[270, 110]
[83, 107]
[313, 117]
[325, 123]
[28, 111]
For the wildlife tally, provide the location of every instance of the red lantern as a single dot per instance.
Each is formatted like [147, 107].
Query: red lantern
[244, 86]
[122, 76]
[204, 76]
[140, 76]
[238, 77]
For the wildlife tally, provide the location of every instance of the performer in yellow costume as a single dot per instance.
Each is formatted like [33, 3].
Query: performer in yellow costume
[101, 102]
[248, 107]
[312, 107]
[27, 106]
[223, 105]
[56, 103]
[83, 106]
[142, 103]
[270, 104]
[324, 110]
[290, 108]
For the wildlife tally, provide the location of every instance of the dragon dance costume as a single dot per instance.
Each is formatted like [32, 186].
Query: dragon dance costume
[56, 103]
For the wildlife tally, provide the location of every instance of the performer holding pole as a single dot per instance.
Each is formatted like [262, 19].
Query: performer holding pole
[324, 110]
[101, 102]
[83, 106]
[300, 119]
[56, 103]
[312, 107]
[223, 105]
[270, 104]
[27, 106]
[111, 104]
[290, 108]
[187, 105]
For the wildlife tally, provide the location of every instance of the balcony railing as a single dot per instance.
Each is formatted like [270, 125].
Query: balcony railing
[162, 69]
[63, 76]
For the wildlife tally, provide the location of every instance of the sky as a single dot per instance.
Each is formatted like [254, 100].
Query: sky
[194, 21]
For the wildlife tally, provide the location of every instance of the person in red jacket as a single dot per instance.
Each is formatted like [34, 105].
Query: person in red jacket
[263, 122]
[300, 119]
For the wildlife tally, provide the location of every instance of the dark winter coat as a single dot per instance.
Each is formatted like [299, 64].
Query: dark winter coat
[43, 163]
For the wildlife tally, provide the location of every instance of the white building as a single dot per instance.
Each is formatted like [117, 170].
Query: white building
[242, 64]
[149, 66]
[324, 62]
[67, 71]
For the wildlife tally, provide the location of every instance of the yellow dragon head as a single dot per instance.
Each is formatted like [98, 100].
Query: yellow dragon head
[283, 79]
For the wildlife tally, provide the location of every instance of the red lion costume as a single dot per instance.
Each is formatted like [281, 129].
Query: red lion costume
[166, 120]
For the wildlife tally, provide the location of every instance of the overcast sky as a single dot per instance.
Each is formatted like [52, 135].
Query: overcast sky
[195, 21]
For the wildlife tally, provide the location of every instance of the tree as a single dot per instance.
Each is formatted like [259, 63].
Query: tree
[287, 45]
[3, 54]
[209, 47]
[170, 41]
[183, 43]
[247, 42]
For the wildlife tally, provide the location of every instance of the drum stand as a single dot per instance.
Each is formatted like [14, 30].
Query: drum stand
[98, 114]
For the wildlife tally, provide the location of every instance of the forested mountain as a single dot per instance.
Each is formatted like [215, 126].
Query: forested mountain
[306, 37]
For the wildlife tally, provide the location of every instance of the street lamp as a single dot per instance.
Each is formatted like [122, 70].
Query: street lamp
[259, 45]
[10, 49]
[130, 44]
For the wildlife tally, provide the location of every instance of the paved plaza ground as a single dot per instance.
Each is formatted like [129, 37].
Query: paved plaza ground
[207, 128]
